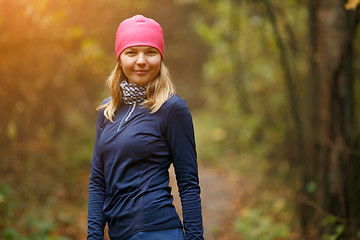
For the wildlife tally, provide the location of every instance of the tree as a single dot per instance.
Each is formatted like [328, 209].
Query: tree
[332, 135]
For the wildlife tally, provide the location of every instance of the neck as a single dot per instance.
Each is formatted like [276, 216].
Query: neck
[132, 93]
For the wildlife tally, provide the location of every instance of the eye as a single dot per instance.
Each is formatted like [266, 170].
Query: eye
[151, 52]
[130, 52]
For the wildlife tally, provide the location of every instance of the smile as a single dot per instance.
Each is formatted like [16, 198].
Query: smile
[141, 72]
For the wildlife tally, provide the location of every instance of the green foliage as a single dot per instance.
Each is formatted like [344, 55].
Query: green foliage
[220, 139]
[50, 77]
[42, 231]
[244, 93]
[28, 227]
[337, 229]
[6, 205]
[311, 187]
[255, 225]
[246, 119]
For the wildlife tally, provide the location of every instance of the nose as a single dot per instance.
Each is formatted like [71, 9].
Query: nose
[141, 60]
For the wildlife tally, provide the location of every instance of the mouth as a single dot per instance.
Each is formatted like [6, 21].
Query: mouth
[141, 72]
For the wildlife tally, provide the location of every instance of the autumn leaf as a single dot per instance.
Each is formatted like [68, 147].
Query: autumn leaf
[352, 4]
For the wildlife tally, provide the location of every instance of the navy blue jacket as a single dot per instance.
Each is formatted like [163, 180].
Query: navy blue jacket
[129, 180]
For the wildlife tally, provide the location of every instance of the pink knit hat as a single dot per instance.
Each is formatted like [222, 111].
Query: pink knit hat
[139, 31]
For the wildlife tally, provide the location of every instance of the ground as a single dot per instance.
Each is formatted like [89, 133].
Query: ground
[221, 195]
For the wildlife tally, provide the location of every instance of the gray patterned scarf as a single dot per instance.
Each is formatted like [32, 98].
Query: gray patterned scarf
[132, 93]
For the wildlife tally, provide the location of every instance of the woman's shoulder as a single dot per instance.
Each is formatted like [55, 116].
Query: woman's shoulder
[101, 117]
[106, 100]
[174, 102]
[177, 112]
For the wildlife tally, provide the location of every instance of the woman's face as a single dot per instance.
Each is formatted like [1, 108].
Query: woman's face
[140, 64]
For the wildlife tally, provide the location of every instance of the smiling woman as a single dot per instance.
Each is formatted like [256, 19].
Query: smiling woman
[140, 64]
[142, 129]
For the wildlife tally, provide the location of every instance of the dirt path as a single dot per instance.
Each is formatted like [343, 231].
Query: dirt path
[221, 197]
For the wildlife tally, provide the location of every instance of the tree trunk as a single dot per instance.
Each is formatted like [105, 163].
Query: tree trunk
[330, 176]
[233, 39]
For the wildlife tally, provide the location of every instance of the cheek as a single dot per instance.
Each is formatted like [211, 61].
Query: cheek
[125, 62]
[156, 70]
[156, 65]
[125, 67]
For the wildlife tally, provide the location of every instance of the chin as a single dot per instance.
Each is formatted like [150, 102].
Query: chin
[140, 82]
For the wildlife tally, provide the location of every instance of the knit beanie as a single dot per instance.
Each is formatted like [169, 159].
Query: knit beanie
[139, 31]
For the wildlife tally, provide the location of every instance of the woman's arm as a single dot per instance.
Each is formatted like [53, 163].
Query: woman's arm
[96, 218]
[180, 135]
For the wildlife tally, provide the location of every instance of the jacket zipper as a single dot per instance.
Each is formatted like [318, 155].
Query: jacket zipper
[133, 107]
[127, 117]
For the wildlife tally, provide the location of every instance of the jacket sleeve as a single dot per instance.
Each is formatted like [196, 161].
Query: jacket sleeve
[97, 188]
[180, 135]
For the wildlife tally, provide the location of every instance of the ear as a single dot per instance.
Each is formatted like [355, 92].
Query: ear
[118, 64]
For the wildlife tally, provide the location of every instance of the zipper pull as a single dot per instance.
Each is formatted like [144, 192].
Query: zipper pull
[133, 107]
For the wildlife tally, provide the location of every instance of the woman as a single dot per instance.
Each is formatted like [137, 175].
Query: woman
[142, 129]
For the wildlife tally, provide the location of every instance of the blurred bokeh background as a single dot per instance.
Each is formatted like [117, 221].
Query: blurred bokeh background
[272, 86]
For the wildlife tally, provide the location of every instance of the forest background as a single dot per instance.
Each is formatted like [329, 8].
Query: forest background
[272, 86]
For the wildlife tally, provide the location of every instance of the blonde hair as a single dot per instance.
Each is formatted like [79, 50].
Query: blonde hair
[157, 92]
